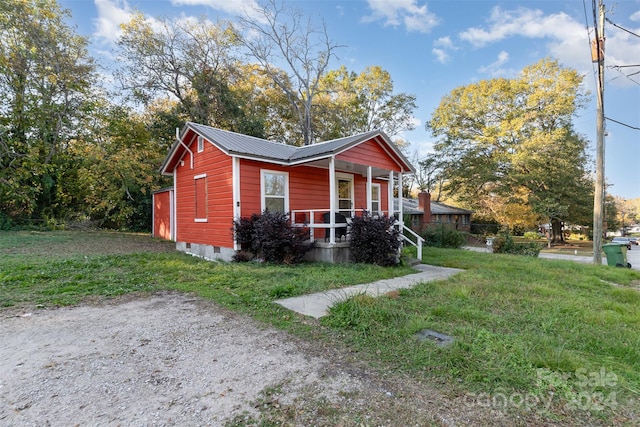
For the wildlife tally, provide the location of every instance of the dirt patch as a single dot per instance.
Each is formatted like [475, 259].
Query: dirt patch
[172, 359]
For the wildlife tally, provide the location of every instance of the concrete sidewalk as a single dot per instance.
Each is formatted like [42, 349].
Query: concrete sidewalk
[317, 305]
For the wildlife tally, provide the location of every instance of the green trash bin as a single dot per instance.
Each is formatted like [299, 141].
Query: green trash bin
[616, 255]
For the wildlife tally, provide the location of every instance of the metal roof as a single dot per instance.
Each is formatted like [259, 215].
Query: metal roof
[442, 209]
[232, 143]
[411, 206]
[236, 143]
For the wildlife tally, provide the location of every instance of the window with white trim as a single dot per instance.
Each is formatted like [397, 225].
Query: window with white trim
[275, 191]
[200, 144]
[200, 193]
[375, 199]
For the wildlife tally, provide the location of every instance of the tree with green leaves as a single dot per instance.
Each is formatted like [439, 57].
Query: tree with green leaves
[116, 169]
[514, 138]
[350, 103]
[46, 79]
[191, 61]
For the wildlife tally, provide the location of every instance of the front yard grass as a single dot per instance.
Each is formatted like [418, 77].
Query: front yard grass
[556, 337]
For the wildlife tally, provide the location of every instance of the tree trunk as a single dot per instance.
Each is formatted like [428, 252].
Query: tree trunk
[556, 231]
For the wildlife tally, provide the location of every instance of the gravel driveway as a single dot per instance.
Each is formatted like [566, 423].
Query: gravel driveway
[164, 360]
[175, 360]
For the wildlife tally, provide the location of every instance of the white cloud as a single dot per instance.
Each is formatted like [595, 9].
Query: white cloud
[523, 22]
[566, 38]
[441, 47]
[402, 12]
[444, 42]
[233, 7]
[416, 122]
[495, 68]
[441, 55]
[111, 13]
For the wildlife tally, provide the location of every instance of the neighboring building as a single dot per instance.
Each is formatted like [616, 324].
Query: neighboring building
[220, 176]
[424, 213]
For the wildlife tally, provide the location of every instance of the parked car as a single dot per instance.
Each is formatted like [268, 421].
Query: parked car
[622, 241]
[635, 240]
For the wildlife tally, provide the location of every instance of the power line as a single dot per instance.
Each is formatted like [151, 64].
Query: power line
[623, 124]
[628, 76]
[586, 20]
[623, 29]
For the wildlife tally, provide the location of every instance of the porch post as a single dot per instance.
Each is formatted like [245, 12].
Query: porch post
[400, 219]
[369, 203]
[235, 172]
[332, 200]
[174, 211]
[390, 194]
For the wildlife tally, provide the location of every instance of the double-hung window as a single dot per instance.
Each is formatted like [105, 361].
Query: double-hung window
[275, 191]
[375, 199]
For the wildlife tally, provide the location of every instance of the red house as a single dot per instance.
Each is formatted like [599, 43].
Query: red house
[219, 176]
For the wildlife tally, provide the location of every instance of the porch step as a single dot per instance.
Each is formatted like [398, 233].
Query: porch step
[413, 261]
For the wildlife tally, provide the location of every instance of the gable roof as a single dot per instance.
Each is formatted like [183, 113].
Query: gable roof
[250, 147]
[411, 206]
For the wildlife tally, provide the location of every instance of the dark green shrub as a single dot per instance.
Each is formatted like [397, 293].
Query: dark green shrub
[244, 231]
[443, 237]
[242, 256]
[5, 222]
[504, 244]
[270, 237]
[484, 226]
[374, 240]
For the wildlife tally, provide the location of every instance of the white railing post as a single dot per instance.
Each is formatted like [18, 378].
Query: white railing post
[312, 230]
[369, 182]
[419, 240]
[332, 200]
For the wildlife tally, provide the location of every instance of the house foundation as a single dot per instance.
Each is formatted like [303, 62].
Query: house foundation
[208, 252]
[338, 252]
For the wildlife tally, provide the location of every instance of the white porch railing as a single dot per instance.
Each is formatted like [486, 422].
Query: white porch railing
[312, 219]
[418, 243]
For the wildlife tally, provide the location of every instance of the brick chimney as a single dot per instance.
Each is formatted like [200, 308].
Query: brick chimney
[424, 204]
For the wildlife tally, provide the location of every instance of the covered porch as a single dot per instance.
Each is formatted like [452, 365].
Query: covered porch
[328, 226]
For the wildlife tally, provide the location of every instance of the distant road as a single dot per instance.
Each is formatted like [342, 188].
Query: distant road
[633, 256]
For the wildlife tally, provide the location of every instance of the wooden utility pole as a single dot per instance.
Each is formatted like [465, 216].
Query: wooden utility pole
[598, 199]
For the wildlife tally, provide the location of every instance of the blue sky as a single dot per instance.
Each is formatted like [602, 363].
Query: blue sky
[432, 47]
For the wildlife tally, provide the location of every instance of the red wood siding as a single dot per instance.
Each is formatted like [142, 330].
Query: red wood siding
[219, 197]
[308, 187]
[360, 196]
[369, 153]
[162, 214]
[308, 190]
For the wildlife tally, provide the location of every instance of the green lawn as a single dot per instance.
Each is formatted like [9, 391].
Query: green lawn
[562, 334]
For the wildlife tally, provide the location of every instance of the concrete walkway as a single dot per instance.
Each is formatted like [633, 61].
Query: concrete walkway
[317, 305]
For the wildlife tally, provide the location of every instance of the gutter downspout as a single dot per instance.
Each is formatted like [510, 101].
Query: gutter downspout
[184, 145]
